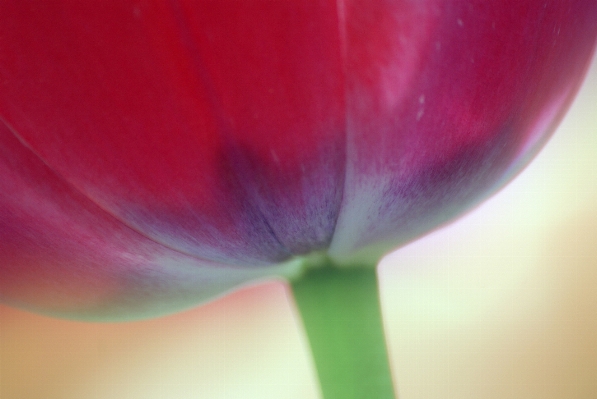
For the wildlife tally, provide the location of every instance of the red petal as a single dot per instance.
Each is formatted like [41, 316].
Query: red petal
[216, 129]
[446, 101]
[61, 254]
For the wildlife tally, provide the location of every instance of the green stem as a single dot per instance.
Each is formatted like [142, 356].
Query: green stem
[341, 314]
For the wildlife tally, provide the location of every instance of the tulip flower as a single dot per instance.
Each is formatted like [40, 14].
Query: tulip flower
[154, 155]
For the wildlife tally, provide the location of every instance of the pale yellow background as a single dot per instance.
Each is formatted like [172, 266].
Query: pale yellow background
[501, 304]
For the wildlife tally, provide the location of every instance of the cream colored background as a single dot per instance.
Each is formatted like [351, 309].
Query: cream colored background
[501, 304]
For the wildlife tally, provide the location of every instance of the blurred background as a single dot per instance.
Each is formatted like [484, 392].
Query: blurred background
[501, 304]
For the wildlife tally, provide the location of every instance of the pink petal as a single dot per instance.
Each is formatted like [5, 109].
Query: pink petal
[446, 102]
[62, 254]
[215, 129]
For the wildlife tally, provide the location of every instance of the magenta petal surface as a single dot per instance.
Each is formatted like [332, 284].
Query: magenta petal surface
[446, 102]
[61, 254]
[156, 154]
[214, 129]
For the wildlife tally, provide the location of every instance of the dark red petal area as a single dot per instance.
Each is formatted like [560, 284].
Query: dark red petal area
[214, 127]
[277, 72]
[63, 255]
[446, 101]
